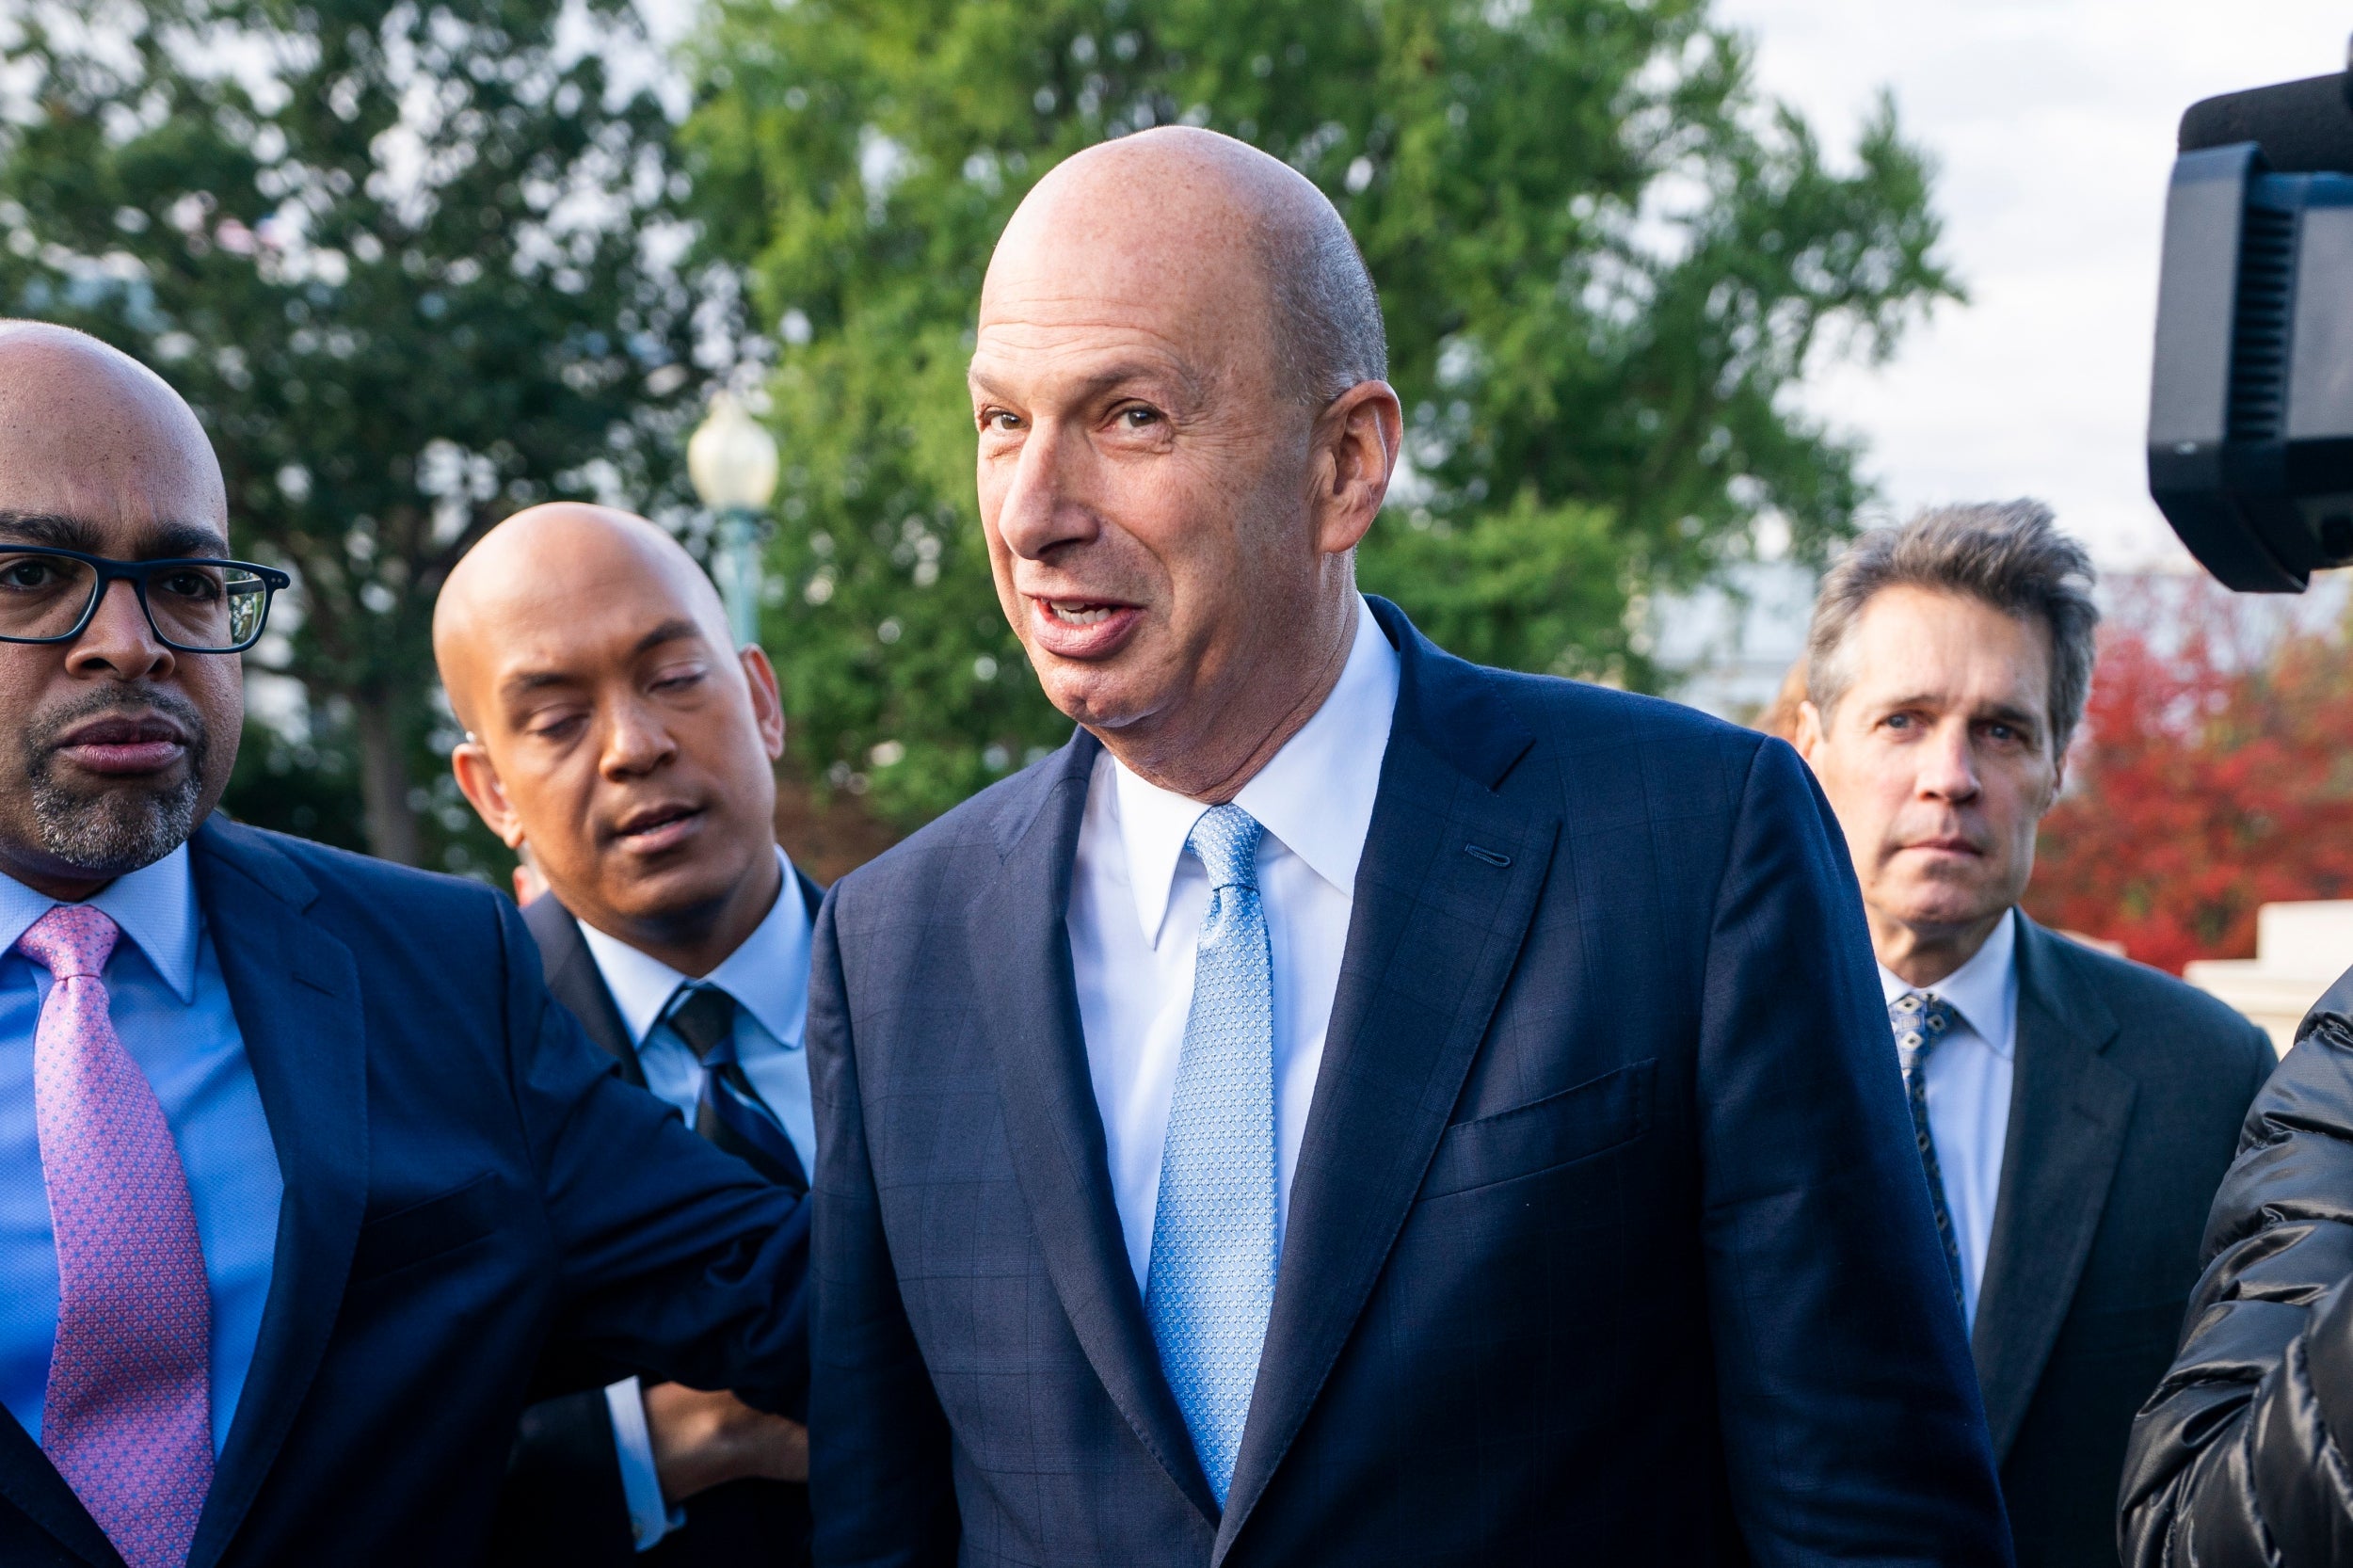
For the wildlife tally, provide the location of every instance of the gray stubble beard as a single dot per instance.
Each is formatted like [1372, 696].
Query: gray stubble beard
[114, 831]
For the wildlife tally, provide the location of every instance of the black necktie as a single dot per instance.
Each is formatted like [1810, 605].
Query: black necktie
[731, 1113]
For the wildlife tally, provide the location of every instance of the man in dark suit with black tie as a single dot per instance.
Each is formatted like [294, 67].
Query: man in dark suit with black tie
[612, 724]
[2075, 1112]
[302, 1172]
[1346, 1106]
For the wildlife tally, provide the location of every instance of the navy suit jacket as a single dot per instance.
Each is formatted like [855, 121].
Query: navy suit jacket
[562, 1506]
[1608, 1242]
[450, 1144]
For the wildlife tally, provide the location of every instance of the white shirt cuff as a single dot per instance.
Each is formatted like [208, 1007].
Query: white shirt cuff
[649, 1517]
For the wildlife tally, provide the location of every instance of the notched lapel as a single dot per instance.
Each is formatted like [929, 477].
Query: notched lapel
[1028, 1008]
[296, 992]
[2070, 1109]
[1445, 893]
[574, 979]
[30, 1482]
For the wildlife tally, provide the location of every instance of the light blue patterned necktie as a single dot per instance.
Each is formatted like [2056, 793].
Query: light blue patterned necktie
[1921, 1020]
[1212, 1281]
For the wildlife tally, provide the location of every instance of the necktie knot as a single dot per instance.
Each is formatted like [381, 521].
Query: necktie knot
[72, 941]
[703, 1015]
[1920, 1019]
[1225, 840]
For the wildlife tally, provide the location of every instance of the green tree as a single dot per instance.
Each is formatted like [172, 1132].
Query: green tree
[1605, 262]
[410, 264]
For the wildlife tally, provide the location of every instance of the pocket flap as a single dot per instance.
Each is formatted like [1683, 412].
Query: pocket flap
[1578, 1122]
[426, 1228]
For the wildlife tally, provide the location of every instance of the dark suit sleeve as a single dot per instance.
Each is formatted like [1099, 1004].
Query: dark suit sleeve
[1852, 1427]
[676, 1262]
[880, 1488]
[562, 1505]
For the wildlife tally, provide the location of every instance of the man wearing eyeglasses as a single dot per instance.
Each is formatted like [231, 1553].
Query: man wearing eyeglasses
[301, 1173]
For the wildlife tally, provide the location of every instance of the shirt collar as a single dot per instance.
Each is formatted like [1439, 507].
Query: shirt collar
[1984, 991]
[155, 906]
[767, 974]
[1315, 795]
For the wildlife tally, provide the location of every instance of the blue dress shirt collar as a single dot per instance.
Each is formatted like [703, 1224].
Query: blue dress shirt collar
[767, 975]
[1984, 990]
[155, 906]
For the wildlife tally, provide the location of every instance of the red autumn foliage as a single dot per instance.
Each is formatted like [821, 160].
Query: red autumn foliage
[2214, 774]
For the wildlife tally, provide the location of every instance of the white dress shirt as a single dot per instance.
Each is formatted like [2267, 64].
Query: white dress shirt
[768, 977]
[1969, 1077]
[1137, 901]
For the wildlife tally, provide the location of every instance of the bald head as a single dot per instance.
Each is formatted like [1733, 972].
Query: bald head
[1181, 201]
[614, 728]
[553, 566]
[86, 430]
[1184, 430]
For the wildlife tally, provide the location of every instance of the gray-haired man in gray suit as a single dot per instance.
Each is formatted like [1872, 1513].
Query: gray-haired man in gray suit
[2075, 1112]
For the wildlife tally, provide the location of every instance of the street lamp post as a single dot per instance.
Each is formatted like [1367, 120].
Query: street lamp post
[732, 462]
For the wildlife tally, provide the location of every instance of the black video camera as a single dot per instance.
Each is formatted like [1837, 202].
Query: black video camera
[2250, 406]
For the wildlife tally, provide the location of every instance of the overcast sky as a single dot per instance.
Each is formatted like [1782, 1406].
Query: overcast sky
[2053, 121]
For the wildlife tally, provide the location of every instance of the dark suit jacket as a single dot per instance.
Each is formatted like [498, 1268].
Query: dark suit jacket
[2125, 1113]
[1608, 1242]
[447, 1139]
[562, 1506]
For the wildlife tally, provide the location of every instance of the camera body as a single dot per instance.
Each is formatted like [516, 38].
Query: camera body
[2250, 409]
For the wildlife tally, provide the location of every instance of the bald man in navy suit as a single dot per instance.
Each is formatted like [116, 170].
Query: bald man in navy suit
[612, 723]
[1347, 1105]
[369, 1156]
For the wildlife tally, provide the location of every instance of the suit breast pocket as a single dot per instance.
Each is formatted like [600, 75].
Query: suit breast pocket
[1577, 1123]
[426, 1230]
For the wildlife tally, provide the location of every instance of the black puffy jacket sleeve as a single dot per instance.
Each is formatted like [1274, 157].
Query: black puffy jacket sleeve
[2242, 1458]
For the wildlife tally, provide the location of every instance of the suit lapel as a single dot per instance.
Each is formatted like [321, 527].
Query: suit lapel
[1445, 892]
[1029, 1007]
[30, 1482]
[296, 992]
[574, 979]
[2069, 1108]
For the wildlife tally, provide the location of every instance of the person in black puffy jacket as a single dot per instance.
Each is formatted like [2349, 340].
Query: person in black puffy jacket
[2242, 1458]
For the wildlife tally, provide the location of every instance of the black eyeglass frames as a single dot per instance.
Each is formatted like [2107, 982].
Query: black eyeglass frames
[194, 606]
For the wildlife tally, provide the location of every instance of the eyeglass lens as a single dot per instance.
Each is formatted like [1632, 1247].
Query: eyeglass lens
[200, 607]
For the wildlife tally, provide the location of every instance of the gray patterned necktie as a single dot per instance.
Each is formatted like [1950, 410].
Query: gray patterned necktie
[1921, 1020]
[1210, 1285]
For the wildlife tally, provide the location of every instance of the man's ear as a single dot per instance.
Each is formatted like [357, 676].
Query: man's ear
[1357, 439]
[767, 702]
[1810, 730]
[2059, 785]
[478, 777]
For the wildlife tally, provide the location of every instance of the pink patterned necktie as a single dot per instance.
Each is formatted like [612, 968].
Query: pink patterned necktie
[128, 1417]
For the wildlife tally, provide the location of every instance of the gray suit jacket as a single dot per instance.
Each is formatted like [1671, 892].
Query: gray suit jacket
[2125, 1113]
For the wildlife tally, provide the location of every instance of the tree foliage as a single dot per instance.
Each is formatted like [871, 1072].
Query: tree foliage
[1605, 262]
[405, 260]
[2212, 777]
